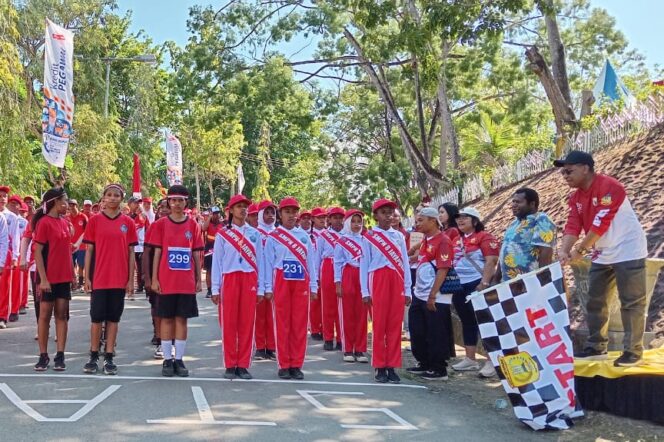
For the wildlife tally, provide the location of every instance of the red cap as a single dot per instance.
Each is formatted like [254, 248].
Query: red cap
[305, 213]
[336, 211]
[5, 189]
[28, 198]
[23, 208]
[239, 198]
[352, 212]
[253, 209]
[382, 203]
[147, 199]
[17, 199]
[265, 204]
[289, 201]
[318, 211]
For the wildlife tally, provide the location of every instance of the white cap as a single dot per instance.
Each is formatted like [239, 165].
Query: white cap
[87, 203]
[429, 212]
[470, 211]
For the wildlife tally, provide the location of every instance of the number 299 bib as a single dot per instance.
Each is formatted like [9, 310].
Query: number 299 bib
[179, 258]
[293, 270]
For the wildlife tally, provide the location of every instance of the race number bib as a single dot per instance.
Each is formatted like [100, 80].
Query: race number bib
[293, 270]
[179, 258]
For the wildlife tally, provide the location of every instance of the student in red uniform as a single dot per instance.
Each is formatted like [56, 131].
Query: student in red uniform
[252, 215]
[386, 287]
[14, 204]
[10, 261]
[304, 221]
[25, 273]
[447, 213]
[291, 279]
[352, 311]
[54, 266]
[210, 227]
[237, 271]
[141, 222]
[176, 276]
[79, 220]
[148, 258]
[325, 244]
[110, 238]
[318, 221]
[27, 263]
[265, 343]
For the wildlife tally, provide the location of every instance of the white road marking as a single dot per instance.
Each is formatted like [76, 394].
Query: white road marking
[191, 379]
[27, 409]
[308, 395]
[205, 414]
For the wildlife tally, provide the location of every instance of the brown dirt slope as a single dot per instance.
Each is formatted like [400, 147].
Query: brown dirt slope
[638, 163]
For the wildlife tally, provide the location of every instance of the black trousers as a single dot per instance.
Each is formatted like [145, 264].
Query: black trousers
[429, 334]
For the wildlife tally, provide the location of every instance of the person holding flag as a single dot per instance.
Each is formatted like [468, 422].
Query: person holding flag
[291, 279]
[325, 244]
[237, 285]
[318, 224]
[352, 312]
[265, 343]
[176, 276]
[386, 287]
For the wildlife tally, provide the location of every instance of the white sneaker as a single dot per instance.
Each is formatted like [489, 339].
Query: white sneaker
[3, 325]
[466, 364]
[158, 353]
[487, 370]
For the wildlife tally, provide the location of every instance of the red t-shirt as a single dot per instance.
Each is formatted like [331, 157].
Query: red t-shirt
[79, 222]
[28, 234]
[178, 241]
[111, 238]
[55, 236]
[452, 233]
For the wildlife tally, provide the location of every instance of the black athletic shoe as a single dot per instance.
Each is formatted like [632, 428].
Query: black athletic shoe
[155, 340]
[627, 359]
[381, 376]
[209, 293]
[261, 355]
[317, 336]
[284, 373]
[296, 373]
[168, 368]
[180, 369]
[59, 361]
[42, 364]
[435, 375]
[13, 317]
[230, 373]
[591, 354]
[271, 355]
[328, 346]
[109, 366]
[392, 376]
[243, 373]
[92, 366]
[417, 369]
[339, 347]
[361, 357]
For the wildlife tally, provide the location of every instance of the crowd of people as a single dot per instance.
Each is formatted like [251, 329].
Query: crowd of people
[281, 275]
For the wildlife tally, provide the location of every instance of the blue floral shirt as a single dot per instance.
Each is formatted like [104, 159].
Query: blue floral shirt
[518, 254]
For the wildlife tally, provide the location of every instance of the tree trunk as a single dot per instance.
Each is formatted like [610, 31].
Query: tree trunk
[211, 188]
[198, 188]
[587, 101]
[448, 136]
[562, 111]
[557, 49]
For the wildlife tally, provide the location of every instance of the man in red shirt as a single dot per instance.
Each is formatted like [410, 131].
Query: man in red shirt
[176, 276]
[110, 237]
[613, 235]
[79, 221]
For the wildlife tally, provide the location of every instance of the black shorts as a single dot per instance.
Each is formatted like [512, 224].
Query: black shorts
[61, 290]
[183, 306]
[107, 305]
[207, 263]
[152, 297]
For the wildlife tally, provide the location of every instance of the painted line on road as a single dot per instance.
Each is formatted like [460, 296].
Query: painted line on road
[191, 379]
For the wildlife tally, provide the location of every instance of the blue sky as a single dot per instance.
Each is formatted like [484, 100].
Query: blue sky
[639, 20]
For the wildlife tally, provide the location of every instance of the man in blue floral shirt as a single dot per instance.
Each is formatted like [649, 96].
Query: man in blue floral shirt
[529, 240]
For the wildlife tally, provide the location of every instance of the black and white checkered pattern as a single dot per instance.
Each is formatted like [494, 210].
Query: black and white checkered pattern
[504, 327]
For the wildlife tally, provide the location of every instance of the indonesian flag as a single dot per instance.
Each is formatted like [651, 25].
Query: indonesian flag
[136, 185]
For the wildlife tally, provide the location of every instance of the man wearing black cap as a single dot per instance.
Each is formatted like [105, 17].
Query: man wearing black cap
[617, 244]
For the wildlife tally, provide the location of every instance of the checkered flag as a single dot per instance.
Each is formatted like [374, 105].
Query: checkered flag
[524, 326]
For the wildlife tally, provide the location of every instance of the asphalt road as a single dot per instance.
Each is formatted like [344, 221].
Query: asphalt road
[336, 401]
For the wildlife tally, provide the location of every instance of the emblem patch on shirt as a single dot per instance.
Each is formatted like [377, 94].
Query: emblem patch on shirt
[123, 228]
[594, 201]
[579, 207]
[188, 235]
[493, 245]
[606, 200]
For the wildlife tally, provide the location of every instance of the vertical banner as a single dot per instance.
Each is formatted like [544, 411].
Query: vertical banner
[58, 112]
[173, 159]
[136, 181]
[524, 324]
[240, 178]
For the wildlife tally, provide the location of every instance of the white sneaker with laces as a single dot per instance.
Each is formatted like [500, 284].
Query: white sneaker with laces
[466, 364]
[487, 371]
[158, 353]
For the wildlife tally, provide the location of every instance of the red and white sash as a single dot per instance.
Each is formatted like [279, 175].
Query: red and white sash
[293, 245]
[351, 247]
[330, 237]
[387, 248]
[245, 248]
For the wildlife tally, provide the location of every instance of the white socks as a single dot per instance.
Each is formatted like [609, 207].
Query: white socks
[179, 348]
[167, 348]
